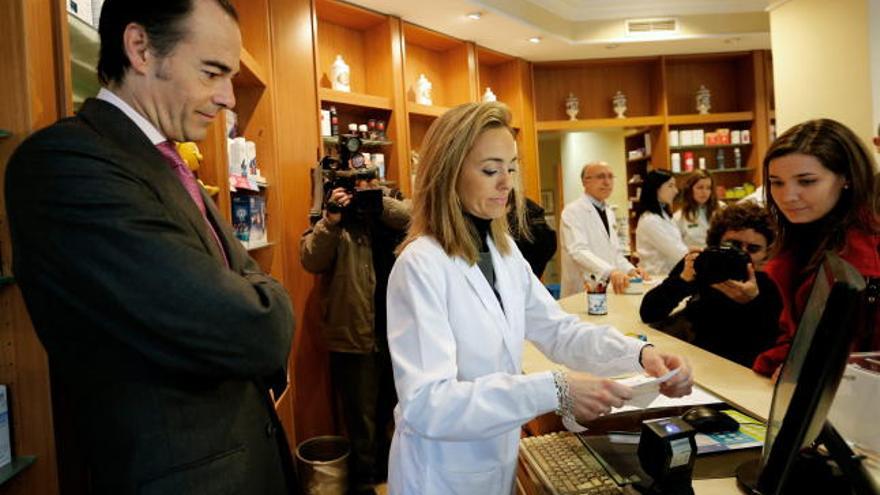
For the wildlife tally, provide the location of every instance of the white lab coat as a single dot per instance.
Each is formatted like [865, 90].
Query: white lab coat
[586, 247]
[659, 243]
[457, 367]
[693, 233]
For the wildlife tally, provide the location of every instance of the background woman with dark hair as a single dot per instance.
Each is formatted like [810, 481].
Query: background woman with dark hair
[733, 319]
[658, 240]
[822, 197]
[700, 203]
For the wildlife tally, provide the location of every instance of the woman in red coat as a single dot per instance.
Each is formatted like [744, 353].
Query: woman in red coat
[822, 196]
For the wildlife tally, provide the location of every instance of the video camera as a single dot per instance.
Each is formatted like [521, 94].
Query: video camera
[719, 263]
[344, 169]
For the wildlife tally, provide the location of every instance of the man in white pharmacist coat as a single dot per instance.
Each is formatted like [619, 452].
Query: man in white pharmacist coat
[589, 236]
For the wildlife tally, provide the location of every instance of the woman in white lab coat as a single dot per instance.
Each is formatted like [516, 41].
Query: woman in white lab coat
[461, 302]
[699, 205]
[658, 240]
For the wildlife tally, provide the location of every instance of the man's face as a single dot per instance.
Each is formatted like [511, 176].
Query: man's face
[185, 90]
[598, 182]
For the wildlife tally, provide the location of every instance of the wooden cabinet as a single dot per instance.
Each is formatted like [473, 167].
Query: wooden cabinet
[511, 81]
[661, 97]
[370, 44]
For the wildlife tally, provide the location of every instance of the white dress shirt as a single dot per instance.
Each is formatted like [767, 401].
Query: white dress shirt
[139, 120]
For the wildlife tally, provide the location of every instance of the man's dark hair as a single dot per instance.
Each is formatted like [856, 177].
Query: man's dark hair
[163, 21]
[741, 216]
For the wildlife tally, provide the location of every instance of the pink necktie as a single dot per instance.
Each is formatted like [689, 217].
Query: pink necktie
[169, 152]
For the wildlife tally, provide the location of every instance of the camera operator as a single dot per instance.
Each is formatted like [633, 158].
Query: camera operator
[352, 247]
[735, 318]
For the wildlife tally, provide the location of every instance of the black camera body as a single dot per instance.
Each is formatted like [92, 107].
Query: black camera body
[344, 170]
[719, 263]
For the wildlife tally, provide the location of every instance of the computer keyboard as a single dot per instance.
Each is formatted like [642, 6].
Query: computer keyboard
[565, 466]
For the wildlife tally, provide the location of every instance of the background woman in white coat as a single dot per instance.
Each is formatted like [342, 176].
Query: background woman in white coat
[658, 240]
[698, 206]
[461, 302]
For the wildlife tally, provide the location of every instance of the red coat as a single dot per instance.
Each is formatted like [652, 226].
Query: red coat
[860, 250]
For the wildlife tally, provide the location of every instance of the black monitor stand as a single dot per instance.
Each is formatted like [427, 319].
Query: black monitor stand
[811, 472]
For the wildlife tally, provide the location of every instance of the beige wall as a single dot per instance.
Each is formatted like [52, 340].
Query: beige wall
[578, 148]
[822, 57]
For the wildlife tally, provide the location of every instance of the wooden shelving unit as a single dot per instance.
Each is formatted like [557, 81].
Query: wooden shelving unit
[360, 100]
[660, 95]
[449, 64]
[511, 80]
[604, 123]
[369, 43]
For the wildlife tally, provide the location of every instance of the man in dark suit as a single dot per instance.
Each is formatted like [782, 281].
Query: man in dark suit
[161, 331]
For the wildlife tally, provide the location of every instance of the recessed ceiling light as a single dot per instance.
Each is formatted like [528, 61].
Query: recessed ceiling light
[475, 15]
[535, 39]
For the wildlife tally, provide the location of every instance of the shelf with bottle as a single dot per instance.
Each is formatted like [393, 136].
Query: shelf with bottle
[601, 123]
[594, 84]
[328, 95]
[374, 143]
[438, 71]
[729, 80]
[353, 52]
[708, 146]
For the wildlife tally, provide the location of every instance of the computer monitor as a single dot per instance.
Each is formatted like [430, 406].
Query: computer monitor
[809, 379]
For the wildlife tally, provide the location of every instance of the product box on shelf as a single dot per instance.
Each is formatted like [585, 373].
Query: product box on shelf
[249, 219]
[5, 445]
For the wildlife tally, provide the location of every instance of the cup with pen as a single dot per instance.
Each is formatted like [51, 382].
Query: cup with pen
[597, 299]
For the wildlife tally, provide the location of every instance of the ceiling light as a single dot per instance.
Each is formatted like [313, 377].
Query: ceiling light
[535, 39]
[475, 15]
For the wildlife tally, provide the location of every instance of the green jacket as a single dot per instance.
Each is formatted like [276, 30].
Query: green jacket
[342, 255]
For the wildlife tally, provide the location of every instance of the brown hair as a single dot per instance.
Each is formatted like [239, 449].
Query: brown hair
[690, 206]
[738, 217]
[839, 150]
[437, 208]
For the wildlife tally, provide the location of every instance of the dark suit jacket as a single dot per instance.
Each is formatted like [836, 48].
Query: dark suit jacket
[164, 352]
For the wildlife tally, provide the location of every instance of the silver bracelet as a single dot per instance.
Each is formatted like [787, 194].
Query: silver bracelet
[565, 409]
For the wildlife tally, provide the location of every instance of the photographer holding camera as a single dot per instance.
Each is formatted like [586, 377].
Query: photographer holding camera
[351, 246]
[734, 308]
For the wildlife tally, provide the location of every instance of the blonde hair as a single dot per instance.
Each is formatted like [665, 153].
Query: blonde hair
[437, 208]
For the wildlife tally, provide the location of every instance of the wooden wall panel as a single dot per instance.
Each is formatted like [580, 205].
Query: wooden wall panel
[333, 40]
[29, 101]
[721, 76]
[432, 64]
[296, 104]
[595, 85]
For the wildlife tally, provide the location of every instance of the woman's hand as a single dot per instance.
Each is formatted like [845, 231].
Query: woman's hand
[658, 363]
[593, 396]
[741, 292]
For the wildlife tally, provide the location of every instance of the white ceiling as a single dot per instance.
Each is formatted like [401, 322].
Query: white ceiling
[582, 29]
[584, 10]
